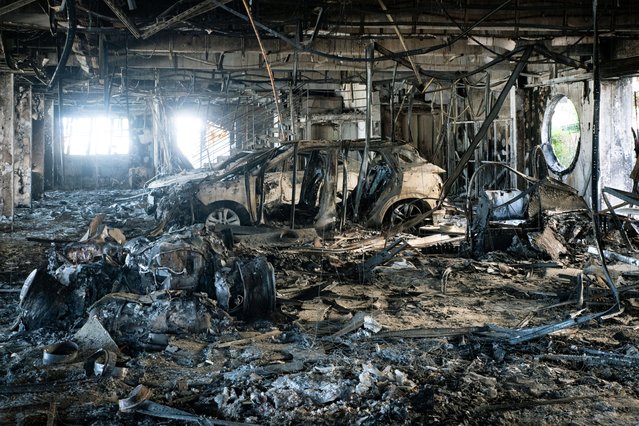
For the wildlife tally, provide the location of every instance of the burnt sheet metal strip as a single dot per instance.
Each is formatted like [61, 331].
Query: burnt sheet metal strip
[102, 364]
[138, 402]
[365, 270]
[137, 396]
[59, 353]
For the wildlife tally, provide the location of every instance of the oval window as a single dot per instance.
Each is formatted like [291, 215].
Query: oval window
[561, 135]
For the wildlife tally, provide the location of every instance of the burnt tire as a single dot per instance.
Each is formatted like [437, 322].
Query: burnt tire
[405, 211]
[226, 214]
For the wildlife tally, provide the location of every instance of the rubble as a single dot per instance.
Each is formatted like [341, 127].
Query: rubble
[83, 274]
[426, 339]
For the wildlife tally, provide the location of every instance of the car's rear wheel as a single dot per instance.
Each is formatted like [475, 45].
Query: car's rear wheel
[405, 211]
[223, 214]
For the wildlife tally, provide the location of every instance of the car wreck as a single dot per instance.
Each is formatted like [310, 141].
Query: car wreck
[308, 182]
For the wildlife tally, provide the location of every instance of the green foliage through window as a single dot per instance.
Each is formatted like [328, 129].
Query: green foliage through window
[565, 132]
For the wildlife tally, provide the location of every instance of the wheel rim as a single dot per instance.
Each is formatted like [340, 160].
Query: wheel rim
[222, 216]
[405, 212]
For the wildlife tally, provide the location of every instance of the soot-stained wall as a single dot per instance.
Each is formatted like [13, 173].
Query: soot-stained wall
[615, 137]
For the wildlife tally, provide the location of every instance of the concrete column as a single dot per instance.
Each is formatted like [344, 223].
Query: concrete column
[38, 144]
[158, 135]
[58, 143]
[48, 129]
[22, 147]
[6, 145]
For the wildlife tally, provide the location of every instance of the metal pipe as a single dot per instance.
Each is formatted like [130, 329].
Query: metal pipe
[294, 183]
[401, 40]
[268, 67]
[344, 186]
[123, 17]
[596, 94]
[594, 183]
[392, 104]
[370, 51]
[60, 136]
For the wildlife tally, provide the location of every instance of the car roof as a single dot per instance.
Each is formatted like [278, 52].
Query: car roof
[249, 161]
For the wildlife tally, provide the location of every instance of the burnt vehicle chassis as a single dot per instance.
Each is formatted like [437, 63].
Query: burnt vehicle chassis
[398, 185]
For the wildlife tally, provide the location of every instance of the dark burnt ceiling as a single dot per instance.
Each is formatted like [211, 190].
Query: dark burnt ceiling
[209, 50]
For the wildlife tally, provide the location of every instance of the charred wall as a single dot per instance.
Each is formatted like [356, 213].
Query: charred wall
[40, 114]
[97, 171]
[536, 101]
[615, 139]
[6, 145]
[22, 162]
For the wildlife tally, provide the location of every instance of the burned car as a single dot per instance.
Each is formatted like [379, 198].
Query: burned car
[310, 182]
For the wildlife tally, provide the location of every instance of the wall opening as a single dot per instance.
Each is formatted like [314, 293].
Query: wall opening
[96, 135]
[188, 137]
[561, 135]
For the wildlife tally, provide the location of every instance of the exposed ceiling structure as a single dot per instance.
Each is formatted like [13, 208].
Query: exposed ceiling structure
[208, 49]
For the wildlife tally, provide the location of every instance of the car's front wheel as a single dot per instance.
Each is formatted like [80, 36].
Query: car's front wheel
[226, 215]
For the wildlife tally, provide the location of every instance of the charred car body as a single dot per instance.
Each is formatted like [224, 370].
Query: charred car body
[309, 181]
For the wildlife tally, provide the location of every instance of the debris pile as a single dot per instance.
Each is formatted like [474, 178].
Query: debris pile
[365, 330]
[141, 279]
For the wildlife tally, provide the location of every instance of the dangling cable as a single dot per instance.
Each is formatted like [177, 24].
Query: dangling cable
[68, 43]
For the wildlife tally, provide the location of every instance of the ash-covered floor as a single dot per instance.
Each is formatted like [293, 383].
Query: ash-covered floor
[427, 339]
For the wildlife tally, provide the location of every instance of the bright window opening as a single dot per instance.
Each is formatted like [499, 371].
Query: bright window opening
[188, 133]
[96, 135]
[202, 149]
[561, 133]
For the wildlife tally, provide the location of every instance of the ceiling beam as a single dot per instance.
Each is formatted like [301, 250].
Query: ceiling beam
[192, 12]
[14, 6]
[128, 23]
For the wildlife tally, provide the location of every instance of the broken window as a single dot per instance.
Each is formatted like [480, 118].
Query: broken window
[560, 136]
[96, 135]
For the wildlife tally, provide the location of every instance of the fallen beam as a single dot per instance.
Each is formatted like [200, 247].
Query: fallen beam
[128, 23]
[611, 255]
[479, 136]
